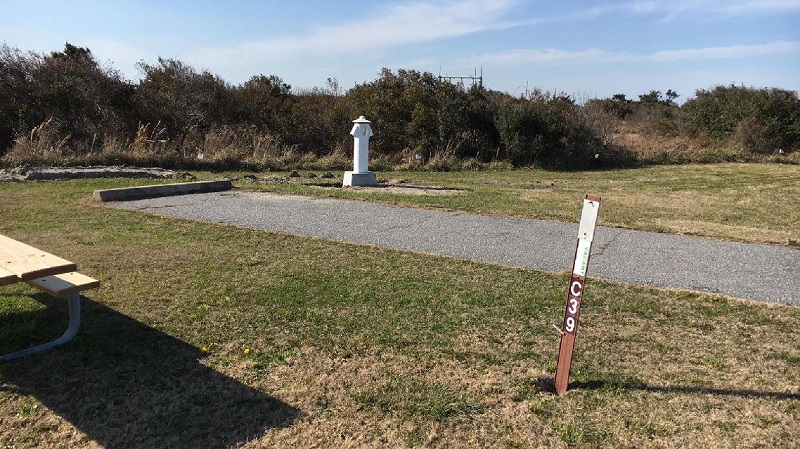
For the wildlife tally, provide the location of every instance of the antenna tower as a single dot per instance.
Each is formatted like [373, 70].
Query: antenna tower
[476, 78]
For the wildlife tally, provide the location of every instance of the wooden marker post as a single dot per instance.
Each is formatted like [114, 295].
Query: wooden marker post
[591, 205]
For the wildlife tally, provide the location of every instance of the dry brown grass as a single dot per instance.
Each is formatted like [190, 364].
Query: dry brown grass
[649, 137]
[42, 145]
[649, 147]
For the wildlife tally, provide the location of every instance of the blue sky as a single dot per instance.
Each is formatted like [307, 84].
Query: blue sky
[586, 49]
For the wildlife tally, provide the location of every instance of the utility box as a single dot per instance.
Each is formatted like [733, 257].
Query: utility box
[360, 176]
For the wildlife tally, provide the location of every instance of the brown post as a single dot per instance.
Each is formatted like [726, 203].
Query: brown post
[569, 327]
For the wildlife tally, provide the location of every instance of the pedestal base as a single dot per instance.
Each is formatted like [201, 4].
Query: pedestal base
[359, 179]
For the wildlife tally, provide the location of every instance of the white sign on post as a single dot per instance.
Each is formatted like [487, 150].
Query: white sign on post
[591, 206]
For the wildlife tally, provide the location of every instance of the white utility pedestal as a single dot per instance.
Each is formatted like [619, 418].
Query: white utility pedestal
[360, 176]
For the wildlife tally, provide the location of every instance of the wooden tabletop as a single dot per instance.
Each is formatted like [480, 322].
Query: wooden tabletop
[7, 277]
[21, 262]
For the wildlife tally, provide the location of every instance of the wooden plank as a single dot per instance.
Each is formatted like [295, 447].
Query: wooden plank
[6, 277]
[63, 285]
[28, 262]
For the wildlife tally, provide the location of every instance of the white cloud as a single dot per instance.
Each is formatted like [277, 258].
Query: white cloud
[638, 7]
[731, 52]
[392, 26]
[714, 9]
[553, 56]
[758, 6]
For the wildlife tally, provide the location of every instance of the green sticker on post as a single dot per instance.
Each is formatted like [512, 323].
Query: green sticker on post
[582, 257]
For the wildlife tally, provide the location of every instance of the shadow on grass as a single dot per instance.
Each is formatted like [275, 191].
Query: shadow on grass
[547, 385]
[126, 384]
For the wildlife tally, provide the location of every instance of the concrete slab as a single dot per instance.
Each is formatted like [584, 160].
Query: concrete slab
[366, 179]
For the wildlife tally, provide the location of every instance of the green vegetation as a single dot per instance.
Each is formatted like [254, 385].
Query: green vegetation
[761, 120]
[416, 399]
[65, 108]
[206, 335]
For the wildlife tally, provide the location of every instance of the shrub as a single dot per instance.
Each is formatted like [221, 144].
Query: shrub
[82, 100]
[183, 100]
[753, 134]
[64, 107]
[760, 120]
[414, 110]
[265, 102]
[551, 133]
[617, 106]
[16, 90]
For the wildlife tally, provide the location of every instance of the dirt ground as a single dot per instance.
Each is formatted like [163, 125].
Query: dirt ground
[326, 180]
[58, 173]
[408, 189]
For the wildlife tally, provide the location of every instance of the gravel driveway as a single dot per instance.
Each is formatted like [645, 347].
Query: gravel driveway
[751, 271]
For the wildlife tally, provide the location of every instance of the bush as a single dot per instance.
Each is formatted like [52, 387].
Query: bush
[617, 106]
[16, 90]
[184, 101]
[760, 120]
[65, 108]
[551, 133]
[80, 101]
[413, 110]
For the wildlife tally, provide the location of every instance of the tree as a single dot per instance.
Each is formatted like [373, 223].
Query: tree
[266, 102]
[549, 132]
[86, 99]
[82, 100]
[620, 98]
[465, 122]
[654, 97]
[617, 106]
[183, 100]
[671, 96]
[402, 108]
[17, 105]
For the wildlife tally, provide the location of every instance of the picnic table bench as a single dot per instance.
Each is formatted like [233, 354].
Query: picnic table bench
[23, 263]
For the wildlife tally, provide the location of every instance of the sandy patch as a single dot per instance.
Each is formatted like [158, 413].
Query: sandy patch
[59, 173]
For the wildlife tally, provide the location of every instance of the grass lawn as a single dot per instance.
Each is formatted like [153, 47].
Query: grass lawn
[204, 335]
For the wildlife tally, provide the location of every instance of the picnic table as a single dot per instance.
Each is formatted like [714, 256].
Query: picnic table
[20, 262]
